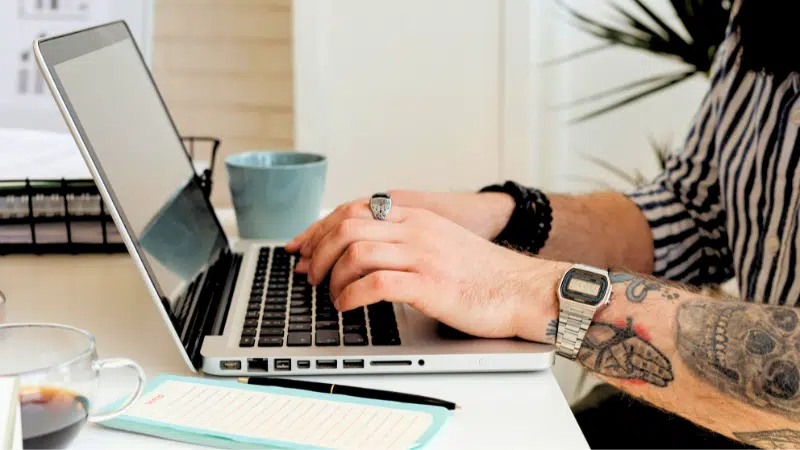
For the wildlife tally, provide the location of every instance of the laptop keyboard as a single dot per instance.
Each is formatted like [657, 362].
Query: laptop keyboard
[283, 310]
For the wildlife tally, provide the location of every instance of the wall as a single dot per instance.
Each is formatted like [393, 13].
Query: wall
[225, 70]
[451, 95]
[399, 93]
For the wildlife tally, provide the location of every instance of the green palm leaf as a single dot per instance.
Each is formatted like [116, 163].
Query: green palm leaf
[618, 104]
[704, 23]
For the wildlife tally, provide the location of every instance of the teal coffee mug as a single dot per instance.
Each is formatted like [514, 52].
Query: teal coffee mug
[276, 194]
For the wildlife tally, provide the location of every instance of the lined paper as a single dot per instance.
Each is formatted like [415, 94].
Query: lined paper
[288, 418]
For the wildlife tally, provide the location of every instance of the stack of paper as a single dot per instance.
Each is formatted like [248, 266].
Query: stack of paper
[230, 415]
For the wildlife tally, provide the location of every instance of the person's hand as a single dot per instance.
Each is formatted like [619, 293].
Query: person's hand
[485, 214]
[437, 267]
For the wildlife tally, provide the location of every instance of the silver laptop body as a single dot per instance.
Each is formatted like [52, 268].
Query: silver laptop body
[233, 310]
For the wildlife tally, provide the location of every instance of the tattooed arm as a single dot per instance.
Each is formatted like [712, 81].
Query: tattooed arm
[731, 367]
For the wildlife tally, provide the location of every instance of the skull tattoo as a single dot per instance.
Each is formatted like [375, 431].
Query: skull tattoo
[750, 353]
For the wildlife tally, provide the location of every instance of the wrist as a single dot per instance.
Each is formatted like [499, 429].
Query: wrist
[498, 207]
[537, 312]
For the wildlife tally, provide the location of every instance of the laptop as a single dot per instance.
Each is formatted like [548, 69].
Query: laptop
[234, 308]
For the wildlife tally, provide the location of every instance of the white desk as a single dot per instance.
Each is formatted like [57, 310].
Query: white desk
[105, 295]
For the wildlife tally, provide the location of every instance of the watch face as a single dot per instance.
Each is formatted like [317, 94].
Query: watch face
[583, 286]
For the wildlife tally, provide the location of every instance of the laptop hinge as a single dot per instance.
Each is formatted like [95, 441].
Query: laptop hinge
[227, 296]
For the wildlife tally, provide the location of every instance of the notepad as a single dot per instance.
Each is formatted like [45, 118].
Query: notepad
[233, 415]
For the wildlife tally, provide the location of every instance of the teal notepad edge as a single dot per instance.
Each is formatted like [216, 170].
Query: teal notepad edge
[226, 440]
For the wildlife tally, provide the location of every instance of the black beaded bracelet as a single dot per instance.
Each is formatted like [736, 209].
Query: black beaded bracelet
[530, 222]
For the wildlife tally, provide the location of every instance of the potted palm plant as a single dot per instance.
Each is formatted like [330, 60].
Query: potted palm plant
[702, 25]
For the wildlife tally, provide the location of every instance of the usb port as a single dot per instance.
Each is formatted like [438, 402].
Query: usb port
[326, 364]
[304, 364]
[353, 363]
[257, 365]
[230, 365]
[283, 364]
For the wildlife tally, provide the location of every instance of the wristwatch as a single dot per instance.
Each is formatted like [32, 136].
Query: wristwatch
[582, 291]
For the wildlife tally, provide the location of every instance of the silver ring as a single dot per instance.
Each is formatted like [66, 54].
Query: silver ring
[380, 204]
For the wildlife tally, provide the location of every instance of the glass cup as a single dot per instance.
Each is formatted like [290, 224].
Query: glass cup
[58, 372]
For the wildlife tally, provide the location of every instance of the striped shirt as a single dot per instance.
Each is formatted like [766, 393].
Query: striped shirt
[727, 203]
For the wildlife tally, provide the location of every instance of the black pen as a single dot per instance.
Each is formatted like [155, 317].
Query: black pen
[352, 391]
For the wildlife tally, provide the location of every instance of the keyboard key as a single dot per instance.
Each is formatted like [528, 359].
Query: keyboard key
[359, 329]
[270, 341]
[275, 307]
[300, 278]
[300, 304]
[299, 319]
[278, 285]
[252, 315]
[299, 296]
[328, 316]
[272, 323]
[299, 311]
[276, 300]
[299, 327]
[354, 339]
[254, 307]
[247, 341]
[277, 293]
[278, 279]
[273, 315]
[251, 323]
[327, 337]
[393, 340]
[299, 339]
[249, 331]
[272, 332]
[327, 325]
[301, 289]
[359, 321]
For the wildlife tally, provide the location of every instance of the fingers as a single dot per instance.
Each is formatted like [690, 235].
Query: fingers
[392, 286]
[364, 257]
[350, 211]
[331, 246]
[349, 231]
[294, 245]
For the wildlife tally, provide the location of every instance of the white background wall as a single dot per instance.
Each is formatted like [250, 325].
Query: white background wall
[450, 95]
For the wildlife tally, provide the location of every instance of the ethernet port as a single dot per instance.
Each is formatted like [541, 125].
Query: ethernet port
[257, 365]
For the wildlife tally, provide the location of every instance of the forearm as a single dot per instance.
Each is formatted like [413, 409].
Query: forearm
[728, 366]
[602, 230]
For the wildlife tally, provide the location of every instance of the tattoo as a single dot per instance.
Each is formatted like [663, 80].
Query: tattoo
[749, 353]
[639, 287]
[624, 352]
[552, 329]
[784, 438]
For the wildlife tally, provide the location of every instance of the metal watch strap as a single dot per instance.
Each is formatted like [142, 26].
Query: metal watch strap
[573, 321]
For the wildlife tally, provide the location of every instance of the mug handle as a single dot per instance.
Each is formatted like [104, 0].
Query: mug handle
[119, 363]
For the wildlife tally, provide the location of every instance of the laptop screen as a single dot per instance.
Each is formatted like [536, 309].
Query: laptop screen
[138, 153]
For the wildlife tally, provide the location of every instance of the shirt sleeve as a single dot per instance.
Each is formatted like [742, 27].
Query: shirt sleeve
[683, 204]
